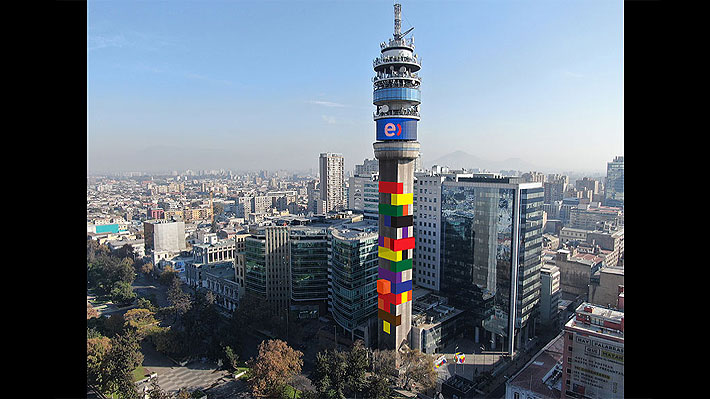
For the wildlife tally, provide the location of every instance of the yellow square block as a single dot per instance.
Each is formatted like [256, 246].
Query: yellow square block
[402, 199]
[385, 326]
[394, 256]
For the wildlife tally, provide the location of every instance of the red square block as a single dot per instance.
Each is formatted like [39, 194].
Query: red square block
[391, 187]
[403, 244]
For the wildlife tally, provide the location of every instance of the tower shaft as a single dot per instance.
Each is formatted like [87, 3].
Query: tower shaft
[396, 95]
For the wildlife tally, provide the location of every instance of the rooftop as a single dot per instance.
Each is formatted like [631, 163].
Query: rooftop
[223, 271]
[598, 319]
[542, 373]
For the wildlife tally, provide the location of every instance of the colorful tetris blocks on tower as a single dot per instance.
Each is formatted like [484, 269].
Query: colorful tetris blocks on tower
[394, 286]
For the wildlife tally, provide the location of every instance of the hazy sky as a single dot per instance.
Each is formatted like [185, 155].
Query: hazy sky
[271, 84]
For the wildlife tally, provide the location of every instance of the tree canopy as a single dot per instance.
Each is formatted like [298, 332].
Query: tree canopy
[274, 366]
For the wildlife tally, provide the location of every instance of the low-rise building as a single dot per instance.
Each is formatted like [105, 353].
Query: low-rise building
[572, 234]
[218, 251]
[540, 378]
[137, 245]
[434, 323]
[605, 292]
[576, 270]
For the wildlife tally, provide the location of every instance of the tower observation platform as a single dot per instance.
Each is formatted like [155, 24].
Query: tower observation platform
[397, 96]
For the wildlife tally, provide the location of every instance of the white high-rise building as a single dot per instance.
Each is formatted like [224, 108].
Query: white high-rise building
[364, 195]
[427, 230]
[332, 181]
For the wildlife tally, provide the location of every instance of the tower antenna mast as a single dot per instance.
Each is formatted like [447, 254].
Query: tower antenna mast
[398, 23]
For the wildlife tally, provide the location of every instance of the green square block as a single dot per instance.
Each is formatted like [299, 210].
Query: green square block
[402, 265]
[391, 210]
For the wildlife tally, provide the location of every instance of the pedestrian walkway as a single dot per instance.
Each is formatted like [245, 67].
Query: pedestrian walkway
[171, 377]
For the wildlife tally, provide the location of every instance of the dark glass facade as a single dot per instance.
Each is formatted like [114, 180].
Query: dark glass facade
[255, 259]
[309, 264]
[353, 263]
[477, 246]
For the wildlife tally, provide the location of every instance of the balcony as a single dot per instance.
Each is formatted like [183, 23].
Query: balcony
[411, 113]
[412, 62]
[396, 78]
[394, 43]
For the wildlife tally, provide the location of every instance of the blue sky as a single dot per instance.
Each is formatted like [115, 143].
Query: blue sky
[271, 84]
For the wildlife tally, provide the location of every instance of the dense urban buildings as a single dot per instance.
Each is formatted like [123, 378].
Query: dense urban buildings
[520, 270]
[396, 95]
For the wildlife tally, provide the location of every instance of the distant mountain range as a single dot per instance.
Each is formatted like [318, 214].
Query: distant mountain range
[461, 159]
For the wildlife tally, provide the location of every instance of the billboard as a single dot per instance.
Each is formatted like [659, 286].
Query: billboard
[598, 367]
[396, 129]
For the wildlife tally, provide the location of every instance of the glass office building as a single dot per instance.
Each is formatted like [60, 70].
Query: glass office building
[309, 271]
[491, 245]
[353, 262]
[268, 267]
[614, 186]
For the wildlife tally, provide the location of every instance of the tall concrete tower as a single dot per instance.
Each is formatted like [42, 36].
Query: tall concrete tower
[396, 95]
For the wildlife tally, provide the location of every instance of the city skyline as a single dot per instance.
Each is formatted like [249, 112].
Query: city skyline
[192, 85]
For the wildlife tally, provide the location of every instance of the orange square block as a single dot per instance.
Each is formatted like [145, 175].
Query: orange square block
[383, 286]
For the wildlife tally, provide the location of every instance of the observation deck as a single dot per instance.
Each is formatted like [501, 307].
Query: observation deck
[392, 78]
[384, 63]
[413, 114]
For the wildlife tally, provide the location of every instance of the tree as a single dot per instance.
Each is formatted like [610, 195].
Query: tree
[96, 350]
[114, 324]
[180, 300]
[90, 311]
[104, 271]
[330, 375]
[378, 387]
[146, 303]
[119, 362]
[230, 358]
[126, 251]
[341, 374]
[94, 250]
[417, 368]
[155, 392]
[142, 321]
[122, 293]
[276, 364]
[357, 366]
[384, 362]
[146, 268]
[168, 276]
[201, 327]
[170, 342]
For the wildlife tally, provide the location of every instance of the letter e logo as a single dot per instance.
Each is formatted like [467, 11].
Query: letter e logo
[389, 129]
